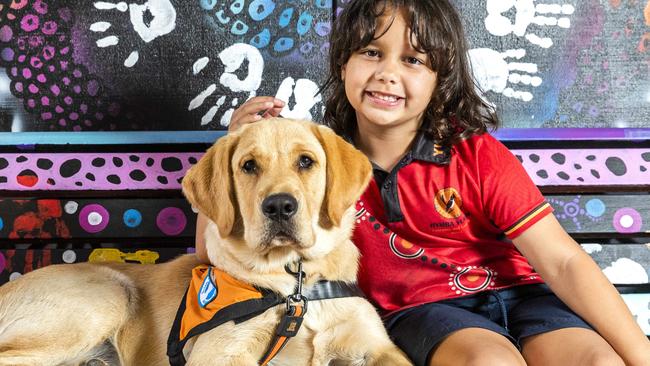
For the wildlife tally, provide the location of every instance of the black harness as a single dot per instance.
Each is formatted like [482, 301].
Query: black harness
[238, 312]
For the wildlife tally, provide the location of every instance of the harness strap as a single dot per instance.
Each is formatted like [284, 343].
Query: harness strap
[287, 328]
[291, 321]
[324, 290]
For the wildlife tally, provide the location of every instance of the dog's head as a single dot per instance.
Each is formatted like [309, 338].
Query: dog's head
[276, 188]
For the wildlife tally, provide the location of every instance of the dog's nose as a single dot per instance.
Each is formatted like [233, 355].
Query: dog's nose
[278, 207]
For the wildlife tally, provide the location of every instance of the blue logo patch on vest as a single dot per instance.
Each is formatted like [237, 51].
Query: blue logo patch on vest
[208, 291]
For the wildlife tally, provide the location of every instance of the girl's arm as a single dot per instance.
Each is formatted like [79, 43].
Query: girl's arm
[576, 279]
[199, 242]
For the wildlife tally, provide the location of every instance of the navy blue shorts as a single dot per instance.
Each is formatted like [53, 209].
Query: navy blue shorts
[515, 313]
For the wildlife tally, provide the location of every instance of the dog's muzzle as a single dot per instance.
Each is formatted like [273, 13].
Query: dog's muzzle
[280, 209]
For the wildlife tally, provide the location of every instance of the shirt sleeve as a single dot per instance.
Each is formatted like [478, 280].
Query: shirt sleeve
[510, 198]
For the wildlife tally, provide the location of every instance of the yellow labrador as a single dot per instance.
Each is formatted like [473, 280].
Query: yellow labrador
[276, 192]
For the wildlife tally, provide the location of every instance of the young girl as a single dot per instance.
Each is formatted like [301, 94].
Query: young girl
[452, 226]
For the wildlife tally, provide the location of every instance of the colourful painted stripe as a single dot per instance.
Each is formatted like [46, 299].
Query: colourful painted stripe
[108, 138]
[571, 134]
[527, 218]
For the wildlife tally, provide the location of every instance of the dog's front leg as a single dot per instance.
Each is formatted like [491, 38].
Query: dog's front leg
[359, 339]
[232, 344]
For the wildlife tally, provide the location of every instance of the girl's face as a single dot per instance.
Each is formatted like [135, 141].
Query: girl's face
[388, 82]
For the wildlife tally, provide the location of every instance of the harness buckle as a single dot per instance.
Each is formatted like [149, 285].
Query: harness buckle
[297, 296]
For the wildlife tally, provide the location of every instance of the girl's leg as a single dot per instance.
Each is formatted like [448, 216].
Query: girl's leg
[569, 346]
[476, 346]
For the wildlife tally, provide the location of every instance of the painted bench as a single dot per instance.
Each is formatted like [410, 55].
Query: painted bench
[123, 203]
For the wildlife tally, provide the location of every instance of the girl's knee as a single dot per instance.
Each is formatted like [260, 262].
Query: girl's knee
[495, 355]
[602, 358]
[494, 358]
[476, 346]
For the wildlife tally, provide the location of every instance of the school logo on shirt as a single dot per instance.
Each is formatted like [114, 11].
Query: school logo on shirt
[448, 204]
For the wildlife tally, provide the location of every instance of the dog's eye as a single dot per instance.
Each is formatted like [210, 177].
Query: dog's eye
[249, 167]
[305, 162]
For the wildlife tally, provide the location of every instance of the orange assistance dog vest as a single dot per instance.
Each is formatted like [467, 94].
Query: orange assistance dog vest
[213, 298]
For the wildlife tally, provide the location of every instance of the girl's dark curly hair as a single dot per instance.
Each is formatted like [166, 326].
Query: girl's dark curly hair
[456, 110]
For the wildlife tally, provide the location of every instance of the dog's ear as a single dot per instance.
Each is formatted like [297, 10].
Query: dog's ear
[348, 174]
[208, 185]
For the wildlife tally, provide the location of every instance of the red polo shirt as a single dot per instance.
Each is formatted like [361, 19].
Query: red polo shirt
[439, 225]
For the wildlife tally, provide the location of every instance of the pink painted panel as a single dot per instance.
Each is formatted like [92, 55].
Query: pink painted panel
[559, 167]
[125, 171]
[94, 171]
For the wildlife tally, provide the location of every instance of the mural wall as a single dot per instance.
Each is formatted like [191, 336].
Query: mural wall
[77, 65]
[156, 65]
[565, 63]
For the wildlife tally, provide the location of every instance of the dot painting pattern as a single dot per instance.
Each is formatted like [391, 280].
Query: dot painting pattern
[17, 262]
[627, 220]
[93, 218]
[594, 214]
[94, 171]
[82, 218]
[171, 221]
[36, 48]
[462, 280]
[586, 166]
[467, 280]
[69, 256]
[132, 218]
[595, 207]
[573, 210]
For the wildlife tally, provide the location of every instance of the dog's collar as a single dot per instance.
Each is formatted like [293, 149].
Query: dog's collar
[322, 290]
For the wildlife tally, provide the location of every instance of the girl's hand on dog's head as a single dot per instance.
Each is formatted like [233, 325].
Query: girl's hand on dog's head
[255, 109]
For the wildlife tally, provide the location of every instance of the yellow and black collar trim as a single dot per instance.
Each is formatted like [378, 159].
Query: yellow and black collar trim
[426, 149]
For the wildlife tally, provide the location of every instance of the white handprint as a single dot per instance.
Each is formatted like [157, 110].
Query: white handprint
[232, 57]
[150, 20]
[493, 73]
[305, 94]
[527, 13]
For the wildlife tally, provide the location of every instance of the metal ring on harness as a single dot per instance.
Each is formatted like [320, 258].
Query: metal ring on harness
[294, 299]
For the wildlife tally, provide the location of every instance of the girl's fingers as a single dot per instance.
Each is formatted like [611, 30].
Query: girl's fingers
[275, 111]
[272, 112]
[254, 107]
[254, 110]
[235, 125]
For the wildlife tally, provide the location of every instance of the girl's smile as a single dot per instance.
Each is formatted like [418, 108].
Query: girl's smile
[384, 100]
